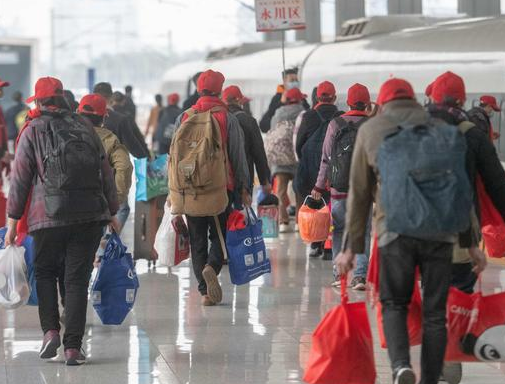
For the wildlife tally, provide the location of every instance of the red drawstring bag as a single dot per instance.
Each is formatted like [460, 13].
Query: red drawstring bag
[415, 316]
[475, 327]
[314, 224]
[492, 225]
[342, 346]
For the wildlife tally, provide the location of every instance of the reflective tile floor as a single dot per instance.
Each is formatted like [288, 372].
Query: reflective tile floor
[260, 334]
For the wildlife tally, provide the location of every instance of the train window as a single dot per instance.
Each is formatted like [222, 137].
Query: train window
[361, 28]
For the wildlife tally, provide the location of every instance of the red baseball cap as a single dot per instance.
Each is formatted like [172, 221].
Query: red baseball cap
[448, 85]
[93, 104]
[491, 101]
[429, 90]
[358, 93]
[395, 89]
[210, 81]
[294, 95]
[173, 99]
[326, 89]
[4, 83]
[46, 87]
[232, 92]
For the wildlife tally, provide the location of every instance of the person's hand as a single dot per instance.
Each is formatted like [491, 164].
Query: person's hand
[316, 195]
[115, 224]
[267, 188]
[246, 198]
[479, 260]
[284, 98]
[345, 262]
[496, 135]
[10, 236]
[7, 158]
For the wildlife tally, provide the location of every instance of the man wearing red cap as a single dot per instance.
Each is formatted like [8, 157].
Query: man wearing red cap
[166, 125]
[309, 145]
[66, 211]
[5, 156]
[481, 115]
[338, 134]
[400, 255]
[280, 151]
[207, 263]
[254, 147]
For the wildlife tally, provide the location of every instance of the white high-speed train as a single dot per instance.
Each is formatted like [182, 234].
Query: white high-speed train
[369, 51]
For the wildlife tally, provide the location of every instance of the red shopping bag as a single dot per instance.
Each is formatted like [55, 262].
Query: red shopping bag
[342, 346]
[492, 225]
[475, 327]
[314, 224]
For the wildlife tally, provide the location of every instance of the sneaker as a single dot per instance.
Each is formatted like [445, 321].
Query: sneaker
[452, 373]
[50, 344]
[315, 252]
[337, 283]
[404, 375]
[207, 302]
[73, 357]
[285, 228]
[358, 283]
[214, 290]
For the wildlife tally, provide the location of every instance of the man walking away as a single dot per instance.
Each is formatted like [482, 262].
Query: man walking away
[154, 115]
[207, 171]
[309, 145]
[289, 81]
[481, 115]
[280, 151]
[60, 159]
[130, 107]
[254, 147]
[191, 100]
[166, 125]
[384, 157]
[10, 118]
[335, 168]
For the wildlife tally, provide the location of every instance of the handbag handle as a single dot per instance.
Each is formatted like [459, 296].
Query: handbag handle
[322, 198]
[343, 290]
[250, 213]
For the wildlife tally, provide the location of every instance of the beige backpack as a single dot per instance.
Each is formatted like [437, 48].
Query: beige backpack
[197, 166]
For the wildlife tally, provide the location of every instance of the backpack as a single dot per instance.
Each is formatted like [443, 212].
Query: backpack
[198, 166]
[279, 144]
[339, 169]
[425, 190]
[72, 176]
[312, 150]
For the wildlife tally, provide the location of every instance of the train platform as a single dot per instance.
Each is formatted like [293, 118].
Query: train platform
[260, 334]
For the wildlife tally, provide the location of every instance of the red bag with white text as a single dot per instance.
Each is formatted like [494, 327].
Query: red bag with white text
[492, 225]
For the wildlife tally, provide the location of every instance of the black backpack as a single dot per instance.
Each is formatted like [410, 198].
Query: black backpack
[312, 150]
[72, 175]
[341, 153]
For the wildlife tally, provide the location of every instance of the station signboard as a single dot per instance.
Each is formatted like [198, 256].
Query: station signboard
[279, 15]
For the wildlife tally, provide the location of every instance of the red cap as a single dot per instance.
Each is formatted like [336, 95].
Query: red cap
[173, 99]
[448, 85]
[429, 90]
[210, 81]
[326, 89]
[491, 101]
[46, 87]
[93, 104]
[4, 83]
[294, 95]
[232, 92]
[358, 93]
[395, 89]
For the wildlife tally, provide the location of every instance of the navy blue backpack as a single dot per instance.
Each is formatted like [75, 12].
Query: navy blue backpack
[425, 190]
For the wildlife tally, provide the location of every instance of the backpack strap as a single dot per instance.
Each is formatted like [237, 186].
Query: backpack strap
[221, 237]
[465, 126]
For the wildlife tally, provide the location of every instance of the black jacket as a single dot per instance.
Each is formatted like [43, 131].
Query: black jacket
[168, 116]
[190, 101]
[481, 159]
[127, 132]
[254, 148]
[311, 121]
[275, 104]
[479, 117]
[130, 108]
[10, 119]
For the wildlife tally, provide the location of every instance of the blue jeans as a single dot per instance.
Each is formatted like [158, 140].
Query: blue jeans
[338, 214]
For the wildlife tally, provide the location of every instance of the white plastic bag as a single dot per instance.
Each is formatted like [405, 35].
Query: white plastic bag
[14, 287]
[164, 243]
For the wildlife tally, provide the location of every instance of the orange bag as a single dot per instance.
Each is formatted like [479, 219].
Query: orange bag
[314, 224]
[342, 346]
[492, 225]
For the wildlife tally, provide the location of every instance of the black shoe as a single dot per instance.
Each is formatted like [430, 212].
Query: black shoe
[327, 254]
[315, 252]
[50, 344]
[404, 375]
[358, 283]
[74, 357]
[452, 373]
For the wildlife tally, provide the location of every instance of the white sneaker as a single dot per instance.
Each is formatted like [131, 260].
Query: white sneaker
[285, 228]
[404, 375]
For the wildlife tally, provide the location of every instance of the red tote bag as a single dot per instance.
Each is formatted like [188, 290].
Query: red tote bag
[492, 225]
[342, 346]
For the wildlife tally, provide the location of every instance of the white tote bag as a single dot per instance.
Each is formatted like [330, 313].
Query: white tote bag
[164, 242]
[14, 287]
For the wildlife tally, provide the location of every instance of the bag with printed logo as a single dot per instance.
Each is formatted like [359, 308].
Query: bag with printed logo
[116, 283]
[247, 256]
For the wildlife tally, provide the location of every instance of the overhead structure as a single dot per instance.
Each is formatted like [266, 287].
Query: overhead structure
[312, 32]
[405, 7]
[474, 8]
[347, 10]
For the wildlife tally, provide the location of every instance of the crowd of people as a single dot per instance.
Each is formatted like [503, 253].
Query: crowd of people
[65, 188]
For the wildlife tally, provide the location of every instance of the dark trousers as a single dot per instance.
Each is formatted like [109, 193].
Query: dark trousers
[398, 263]
[76, 245]
[463, 277]
[201, 231]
